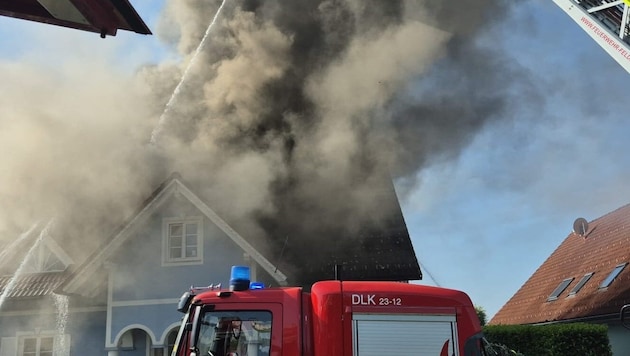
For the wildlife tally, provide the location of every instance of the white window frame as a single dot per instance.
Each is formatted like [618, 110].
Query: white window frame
[38, 341]
[167, 260]
[38, 334]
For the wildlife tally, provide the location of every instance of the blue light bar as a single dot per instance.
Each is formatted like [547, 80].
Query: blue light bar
[239, 278]
[256, 285]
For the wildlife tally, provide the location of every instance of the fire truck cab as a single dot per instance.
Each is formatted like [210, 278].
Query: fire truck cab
[334, 318]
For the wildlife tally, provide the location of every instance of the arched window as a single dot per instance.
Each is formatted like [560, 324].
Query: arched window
[169, 343]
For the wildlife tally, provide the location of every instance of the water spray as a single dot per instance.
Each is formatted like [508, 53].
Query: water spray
[158, 128]
[17, 242]
[61, 303]
[424, 267]
[25, 261]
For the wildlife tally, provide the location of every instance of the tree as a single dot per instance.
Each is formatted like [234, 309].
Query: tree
[481, 314]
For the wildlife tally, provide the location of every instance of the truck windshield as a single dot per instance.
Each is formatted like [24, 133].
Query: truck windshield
[234, 333]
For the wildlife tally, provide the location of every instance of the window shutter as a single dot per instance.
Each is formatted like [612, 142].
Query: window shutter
[62, 345]
[8, 346]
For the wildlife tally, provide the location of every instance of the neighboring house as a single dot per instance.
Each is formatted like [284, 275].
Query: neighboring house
[586, 279]
[122, 299]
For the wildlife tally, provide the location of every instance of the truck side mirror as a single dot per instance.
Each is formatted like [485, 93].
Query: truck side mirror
[184, 302]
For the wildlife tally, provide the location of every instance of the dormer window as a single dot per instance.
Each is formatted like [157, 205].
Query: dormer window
[611, 277]
[559, 289]
[183, 241]
[580, 284]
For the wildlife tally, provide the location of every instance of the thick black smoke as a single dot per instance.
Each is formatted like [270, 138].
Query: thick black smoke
[320, 103]
[291, 120]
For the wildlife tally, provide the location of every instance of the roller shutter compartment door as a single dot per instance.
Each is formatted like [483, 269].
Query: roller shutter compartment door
[378, 335]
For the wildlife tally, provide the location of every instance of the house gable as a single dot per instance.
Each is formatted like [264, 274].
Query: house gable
[173, 187]
[48, 257]
[595, 266]
[41, 265]
[34, 251]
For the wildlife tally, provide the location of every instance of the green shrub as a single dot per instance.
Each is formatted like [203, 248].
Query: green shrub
[552, 340]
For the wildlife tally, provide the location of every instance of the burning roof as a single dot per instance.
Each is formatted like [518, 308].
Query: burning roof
[291, 118]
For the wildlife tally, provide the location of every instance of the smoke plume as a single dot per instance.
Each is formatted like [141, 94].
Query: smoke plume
[293, 115]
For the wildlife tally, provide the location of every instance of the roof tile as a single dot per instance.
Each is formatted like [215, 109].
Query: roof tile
[605, 245]
[33, 284]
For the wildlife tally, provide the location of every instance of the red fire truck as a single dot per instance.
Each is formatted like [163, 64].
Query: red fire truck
[335, 318]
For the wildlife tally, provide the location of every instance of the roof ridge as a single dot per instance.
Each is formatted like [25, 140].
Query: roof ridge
[626, 206]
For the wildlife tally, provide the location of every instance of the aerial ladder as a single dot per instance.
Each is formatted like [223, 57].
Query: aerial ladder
[606, 21]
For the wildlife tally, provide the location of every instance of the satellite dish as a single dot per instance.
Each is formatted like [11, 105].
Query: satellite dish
[580, 226]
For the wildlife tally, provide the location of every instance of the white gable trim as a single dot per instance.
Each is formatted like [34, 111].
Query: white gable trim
[175, 186]
[44, 240]
[235, 236]
[56, 250]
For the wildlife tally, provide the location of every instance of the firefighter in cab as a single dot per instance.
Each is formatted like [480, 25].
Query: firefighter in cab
[225, 338]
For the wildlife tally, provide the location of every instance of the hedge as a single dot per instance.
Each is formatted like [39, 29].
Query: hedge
[552, 340]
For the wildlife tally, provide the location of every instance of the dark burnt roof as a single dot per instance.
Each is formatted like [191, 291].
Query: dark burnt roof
[380, 249]
[384, 255]
[605, 245]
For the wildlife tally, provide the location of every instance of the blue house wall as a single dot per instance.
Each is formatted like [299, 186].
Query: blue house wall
[87, 331]
[84, 329]
[128, 297]
[157, 320]
[145, 289]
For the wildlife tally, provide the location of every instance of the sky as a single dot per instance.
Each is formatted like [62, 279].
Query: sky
[482, 217]
[487, 220]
